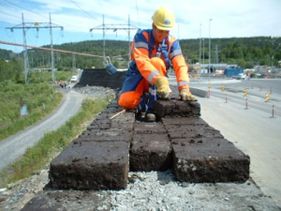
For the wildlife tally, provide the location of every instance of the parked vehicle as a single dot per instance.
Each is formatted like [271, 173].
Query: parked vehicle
[234, 72]
[74, 79]
[239, 76]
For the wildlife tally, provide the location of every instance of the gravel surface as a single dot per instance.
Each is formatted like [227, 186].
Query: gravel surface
[145, 191]
[95, 91]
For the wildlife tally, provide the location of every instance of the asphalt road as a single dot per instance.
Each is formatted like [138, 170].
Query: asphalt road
[253, 130]
[15, 146]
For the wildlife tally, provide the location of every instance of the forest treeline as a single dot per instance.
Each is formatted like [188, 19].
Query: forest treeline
[245, 52]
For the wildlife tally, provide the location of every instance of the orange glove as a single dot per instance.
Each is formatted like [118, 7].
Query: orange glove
[163, 89]
[186, 95]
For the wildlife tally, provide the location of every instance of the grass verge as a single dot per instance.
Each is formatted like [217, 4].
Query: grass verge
[38, 156]
[40, 99]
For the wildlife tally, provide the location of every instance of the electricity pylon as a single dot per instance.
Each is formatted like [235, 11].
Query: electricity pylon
[114, 27]
[36, 25]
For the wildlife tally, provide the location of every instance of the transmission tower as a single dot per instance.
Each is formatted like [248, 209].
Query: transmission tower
[36, 25]
[114, 27]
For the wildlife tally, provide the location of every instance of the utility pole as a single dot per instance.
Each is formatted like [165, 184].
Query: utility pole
[73, 63]
[36, 25]
[129, 38]
[209, 66]
[52, 52]
[25, 55]
[203, 50]
[217, 54]
[114, 27]
[200, 43]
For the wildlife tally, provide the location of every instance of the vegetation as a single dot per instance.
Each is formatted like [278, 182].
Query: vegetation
[7, 55]
[11, 70]
[37, 157]
[246, 52]
[39, 96]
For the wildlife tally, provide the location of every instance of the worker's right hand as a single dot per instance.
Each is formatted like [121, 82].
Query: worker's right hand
[163, 89]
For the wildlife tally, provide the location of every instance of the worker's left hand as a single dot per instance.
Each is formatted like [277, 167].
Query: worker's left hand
[163, 88]
[186, 95]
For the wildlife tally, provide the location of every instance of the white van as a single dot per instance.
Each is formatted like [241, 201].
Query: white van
[74, 79]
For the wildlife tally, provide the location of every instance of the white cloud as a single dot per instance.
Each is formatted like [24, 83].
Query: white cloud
[232, 18]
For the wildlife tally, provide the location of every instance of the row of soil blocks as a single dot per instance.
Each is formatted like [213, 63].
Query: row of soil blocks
[101, 156]
[201, 154]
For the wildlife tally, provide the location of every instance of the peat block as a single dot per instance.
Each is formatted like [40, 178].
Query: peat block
[104, 121]
[209, 160]
[150, 152]
[176, 107]
[112, 134]
[91, 165]
[149, 128]
[170, 120]
[194, 131]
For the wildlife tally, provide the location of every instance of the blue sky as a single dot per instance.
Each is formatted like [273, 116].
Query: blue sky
[230, 18]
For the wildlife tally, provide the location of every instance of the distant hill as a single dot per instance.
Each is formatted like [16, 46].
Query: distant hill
[7, 54]
[245, 52]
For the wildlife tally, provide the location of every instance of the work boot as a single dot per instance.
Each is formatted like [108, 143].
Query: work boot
[150, 117]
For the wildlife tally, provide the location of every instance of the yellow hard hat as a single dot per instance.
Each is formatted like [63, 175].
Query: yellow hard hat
[163, 19]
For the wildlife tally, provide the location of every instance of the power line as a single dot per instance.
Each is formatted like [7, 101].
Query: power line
[49, 49]
[36, 25]
[114, 27]
[8, 14]
[27, 9]
[24, 8]
[84, 11]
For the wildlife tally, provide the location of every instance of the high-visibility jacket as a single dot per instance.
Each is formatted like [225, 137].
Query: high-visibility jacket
[144, 48]
[150, 60]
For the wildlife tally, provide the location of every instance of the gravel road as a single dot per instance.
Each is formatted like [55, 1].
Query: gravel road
[15, 146]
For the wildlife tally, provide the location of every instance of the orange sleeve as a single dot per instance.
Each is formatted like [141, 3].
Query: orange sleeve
[181, 69]
[179, 66]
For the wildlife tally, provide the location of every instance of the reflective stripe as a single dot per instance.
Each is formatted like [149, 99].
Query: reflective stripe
[152, 75]
[175, 53]
[141, 45]
[182, 83]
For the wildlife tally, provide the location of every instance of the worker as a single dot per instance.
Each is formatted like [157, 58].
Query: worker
[153, 52]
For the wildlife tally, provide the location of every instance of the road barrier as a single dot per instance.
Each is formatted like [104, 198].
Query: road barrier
[267, 97]
[245, 92]
[209, 89]
[272, 112]
[246, 103]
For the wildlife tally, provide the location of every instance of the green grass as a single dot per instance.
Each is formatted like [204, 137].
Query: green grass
[38, 156]
[40, 99]
[39, 95]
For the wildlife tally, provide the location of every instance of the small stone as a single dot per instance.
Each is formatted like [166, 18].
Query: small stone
[3, 190]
